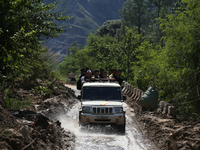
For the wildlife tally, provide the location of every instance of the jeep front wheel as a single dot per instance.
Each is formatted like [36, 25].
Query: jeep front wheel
[122, 128]
[80, 118]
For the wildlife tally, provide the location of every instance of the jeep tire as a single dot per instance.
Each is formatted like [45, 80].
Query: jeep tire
[80, 118]
[122, 128]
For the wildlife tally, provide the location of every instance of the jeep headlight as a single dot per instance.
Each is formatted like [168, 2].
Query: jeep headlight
[87, 109]
[118, 109]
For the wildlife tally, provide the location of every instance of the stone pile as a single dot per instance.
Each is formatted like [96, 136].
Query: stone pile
[166, 109]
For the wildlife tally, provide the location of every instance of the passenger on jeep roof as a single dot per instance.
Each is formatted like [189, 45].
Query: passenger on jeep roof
[110, 72]
[114, 72]
[118, 77]
[111, 76]
[82, 73]
[101, 72]
[91, 76]
[87, 77]
[95, 77]
[104, 77]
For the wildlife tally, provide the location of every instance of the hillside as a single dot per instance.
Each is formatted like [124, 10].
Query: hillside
[88, 15]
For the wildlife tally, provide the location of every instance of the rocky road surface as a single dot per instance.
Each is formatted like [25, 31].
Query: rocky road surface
[104, 137]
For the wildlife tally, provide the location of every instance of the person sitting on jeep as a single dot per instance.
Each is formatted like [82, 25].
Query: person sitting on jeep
[111, 76]
[118, 77]
[87, 77]
[79, 84]
[82, 73]
[110, 72]
[104, 77]
[101, 72]
[95, 77]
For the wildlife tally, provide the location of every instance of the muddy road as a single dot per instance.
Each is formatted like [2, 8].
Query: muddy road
[39, 127]
[104, 137]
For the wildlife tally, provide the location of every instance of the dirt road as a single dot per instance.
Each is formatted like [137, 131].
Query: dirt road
[62, 109]
[104, 137]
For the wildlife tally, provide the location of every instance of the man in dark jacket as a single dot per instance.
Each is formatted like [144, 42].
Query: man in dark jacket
[78, 85]
[82, 73]
[118, 77]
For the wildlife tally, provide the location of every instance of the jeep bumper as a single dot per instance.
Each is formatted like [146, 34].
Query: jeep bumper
[86, 118]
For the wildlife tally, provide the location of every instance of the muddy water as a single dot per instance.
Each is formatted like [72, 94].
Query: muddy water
[104, 137]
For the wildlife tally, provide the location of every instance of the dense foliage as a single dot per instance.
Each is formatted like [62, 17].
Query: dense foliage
[23, 27]
[165, 55]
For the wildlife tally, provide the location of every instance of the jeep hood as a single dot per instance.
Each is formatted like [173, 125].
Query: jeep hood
[102, 103]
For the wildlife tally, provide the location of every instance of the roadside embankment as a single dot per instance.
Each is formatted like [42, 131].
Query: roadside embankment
[166, 132]
[37, 127]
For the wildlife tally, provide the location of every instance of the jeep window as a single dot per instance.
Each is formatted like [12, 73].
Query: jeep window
[102, 93]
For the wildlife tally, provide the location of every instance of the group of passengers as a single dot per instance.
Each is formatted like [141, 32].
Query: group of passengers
[88, 75]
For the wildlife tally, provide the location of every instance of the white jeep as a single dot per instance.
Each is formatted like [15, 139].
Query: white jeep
[102, 103]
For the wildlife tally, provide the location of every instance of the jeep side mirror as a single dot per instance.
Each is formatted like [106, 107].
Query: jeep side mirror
[124, 97]
[79, 97]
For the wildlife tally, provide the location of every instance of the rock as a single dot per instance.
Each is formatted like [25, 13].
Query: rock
[5, 146]
[197, 129]
[58, 123]
[13, 138]
[50, 101]
[54, 100]
[163, 120]
[171, 111]
[161, 105]
[42, 121]
[25, 132]
[165, 109]
[9, 131]
[159, 110]
[14, 133]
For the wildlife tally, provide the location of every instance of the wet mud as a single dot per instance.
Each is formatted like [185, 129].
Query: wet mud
[165, 132]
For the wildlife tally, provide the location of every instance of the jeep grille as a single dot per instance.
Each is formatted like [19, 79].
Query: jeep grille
[102, 110]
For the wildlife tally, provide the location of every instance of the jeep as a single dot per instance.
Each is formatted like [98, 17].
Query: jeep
[102, 103]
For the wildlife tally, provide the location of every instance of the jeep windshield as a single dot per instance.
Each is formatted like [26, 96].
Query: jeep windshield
[101, 93]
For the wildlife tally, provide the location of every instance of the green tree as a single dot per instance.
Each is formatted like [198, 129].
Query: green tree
[128, 45]
[23, 27]
[182, 57]
[69, 65]
[135, 14]
[174, 68]
[77, 58]
[159, 9]
[103, 48]
[147, 67]
[84, 59]
[24, 24]
[110, 27]
[114, 54]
